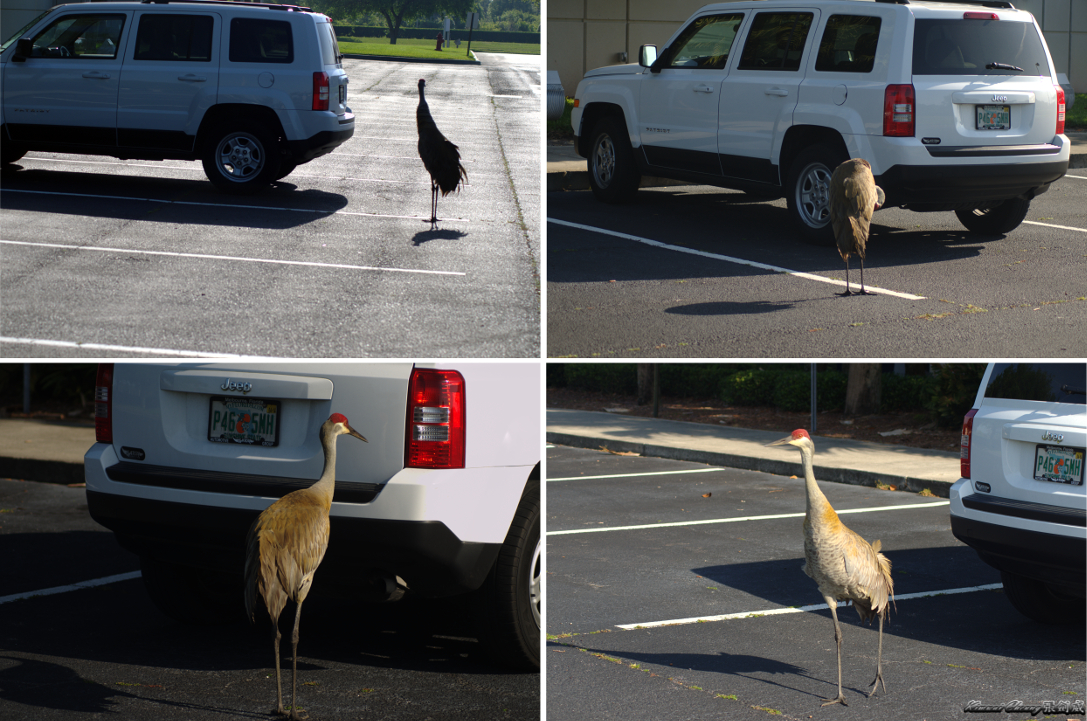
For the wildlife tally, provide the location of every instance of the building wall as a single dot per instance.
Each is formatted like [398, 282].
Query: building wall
[14, 14]
[587, 34]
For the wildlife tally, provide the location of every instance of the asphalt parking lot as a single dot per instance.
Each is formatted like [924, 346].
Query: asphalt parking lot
[106, 650]
[634, 542]
[693, 271]
[111, 258]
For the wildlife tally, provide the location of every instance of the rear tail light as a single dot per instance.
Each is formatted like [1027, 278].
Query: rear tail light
[320, 91]
[1060, 109]
[103, 404]
[964, 442]
[435, 419]
[899, 111]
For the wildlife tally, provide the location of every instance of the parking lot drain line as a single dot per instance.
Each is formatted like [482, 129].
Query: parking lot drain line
[174, 353]
[205, 256]
[727, 258]
[798, 609]
[906, 507]
[73, 587]
[633, 475]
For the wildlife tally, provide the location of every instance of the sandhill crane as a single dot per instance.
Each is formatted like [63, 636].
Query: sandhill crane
[854, 197]
[286, 544]
[440, 157]
[842, 563]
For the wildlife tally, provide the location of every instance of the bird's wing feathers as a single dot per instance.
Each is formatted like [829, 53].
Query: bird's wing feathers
[868, 572]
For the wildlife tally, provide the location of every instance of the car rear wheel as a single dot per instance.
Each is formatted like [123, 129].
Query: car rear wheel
[1002, 219]
[1041, 602]
[241, 159]
[807, 192]
[508, 604]
[613, 174]
[191, 595]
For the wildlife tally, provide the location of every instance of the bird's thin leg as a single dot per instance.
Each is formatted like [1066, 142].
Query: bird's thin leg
[846, 279]
[879, 663]
[433, 202]
[838, 640]
[279, 683]
[862, 290]
[294, 669]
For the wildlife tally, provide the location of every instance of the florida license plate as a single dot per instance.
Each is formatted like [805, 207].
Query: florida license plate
[1059, 465]
[994, 117]
[251, 421]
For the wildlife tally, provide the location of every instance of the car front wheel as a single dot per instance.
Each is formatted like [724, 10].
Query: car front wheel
[241, 160]
[613, 173]
[1002, 219]
[1041, 602]
[807, 193]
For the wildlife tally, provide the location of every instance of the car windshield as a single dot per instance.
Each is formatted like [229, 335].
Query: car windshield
[1047, 382]
[977, 47]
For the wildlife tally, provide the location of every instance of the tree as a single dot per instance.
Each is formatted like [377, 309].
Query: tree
[396, 12]
[863, 388]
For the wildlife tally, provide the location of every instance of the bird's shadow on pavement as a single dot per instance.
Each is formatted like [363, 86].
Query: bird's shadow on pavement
[437, 234]
[728, 308]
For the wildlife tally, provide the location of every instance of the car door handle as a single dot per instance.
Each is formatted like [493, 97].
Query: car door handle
[95, 75]
[190, 78]
[703, 89]
[780, 92]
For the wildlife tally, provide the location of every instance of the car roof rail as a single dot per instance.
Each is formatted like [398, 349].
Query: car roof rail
[1000, 4]
[270, 6]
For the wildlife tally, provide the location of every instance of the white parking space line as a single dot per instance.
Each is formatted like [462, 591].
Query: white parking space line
[798, 609]
[1077, 177]
[205, 256]
[1051, 225]
[230, 205]
[728, 259]
[771, 517]
[634, 475]
[172, 352]
[74, 587]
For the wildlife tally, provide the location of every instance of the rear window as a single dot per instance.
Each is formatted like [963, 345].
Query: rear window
[977, 47]
[330, 47]
[848, 44]
[260, 41]
[1047, 382]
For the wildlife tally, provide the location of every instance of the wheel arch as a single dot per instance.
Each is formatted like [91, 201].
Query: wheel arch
[237, 114]
[592, 115]
[801, 137]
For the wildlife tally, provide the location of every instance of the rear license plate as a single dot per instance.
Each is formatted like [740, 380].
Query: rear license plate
[994, 117]
[1059, 464]
[251, 421]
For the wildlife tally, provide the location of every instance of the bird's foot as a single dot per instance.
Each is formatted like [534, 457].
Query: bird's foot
[837, 699]
[862, 291]
[846, 293]
[876, 682]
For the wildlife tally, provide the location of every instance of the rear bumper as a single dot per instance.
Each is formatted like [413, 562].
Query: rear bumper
[322, 143]
[965, 185]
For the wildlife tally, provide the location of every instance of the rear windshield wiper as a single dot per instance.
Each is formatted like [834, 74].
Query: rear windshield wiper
[1002, 66]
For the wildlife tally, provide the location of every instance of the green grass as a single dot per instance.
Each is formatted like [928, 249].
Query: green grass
[421, 48]
[561, 129]
[1076, 118]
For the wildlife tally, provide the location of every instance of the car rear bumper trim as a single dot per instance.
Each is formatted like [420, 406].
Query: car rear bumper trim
[1026, 509]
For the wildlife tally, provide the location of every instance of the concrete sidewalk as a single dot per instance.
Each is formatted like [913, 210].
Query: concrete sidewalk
[42, 450]
[843, 461]
[566, 170]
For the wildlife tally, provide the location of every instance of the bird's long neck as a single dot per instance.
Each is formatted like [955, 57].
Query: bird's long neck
[819, 511]
[326, 484]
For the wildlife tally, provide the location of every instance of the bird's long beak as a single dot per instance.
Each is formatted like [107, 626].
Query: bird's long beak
[352, 432]
[781, 441]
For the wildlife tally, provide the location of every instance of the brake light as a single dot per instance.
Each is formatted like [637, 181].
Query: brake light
[898, 111]
[320, 91]
[435, 437]
[964, 442]
[1060, 109]
[980, 16]
[103, 404]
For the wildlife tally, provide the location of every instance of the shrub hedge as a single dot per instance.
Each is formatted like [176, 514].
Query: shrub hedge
[497, 36]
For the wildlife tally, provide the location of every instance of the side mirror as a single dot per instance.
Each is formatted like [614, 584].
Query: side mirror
[23, 49]
[647, 55]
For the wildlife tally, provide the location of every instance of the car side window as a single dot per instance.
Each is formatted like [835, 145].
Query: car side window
[90, 36]
[848, 44]
[776, 41]
[260, 41]
[174, 37]
[705, 43]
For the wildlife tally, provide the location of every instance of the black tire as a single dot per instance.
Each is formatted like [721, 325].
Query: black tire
[241, 159]
[1043, 603]
[1002, 219]
[190, 595]
[507, 606]
[807, 192]
[10, 152]
[613, 173]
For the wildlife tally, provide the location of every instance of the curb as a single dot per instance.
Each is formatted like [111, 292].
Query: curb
[397, 59]
[40, 471]
[941, 489]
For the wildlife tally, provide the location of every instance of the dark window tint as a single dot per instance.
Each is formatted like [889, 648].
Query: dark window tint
[967, 47]
[705, 43]
[848, 44]
[260, 41]
[174, 37]
[330, 47]
[80, 36]
[1050, 382]
[776, 41]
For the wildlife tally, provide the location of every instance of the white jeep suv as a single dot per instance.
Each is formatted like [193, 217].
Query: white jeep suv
[955, 105]
[251, 89]
[443, 499]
